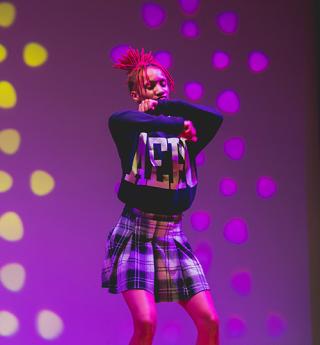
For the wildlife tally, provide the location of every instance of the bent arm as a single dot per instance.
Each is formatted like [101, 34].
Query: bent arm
[206, 120]
[140, 121]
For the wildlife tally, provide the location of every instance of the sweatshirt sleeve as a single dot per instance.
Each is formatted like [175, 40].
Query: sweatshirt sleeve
[139, 121]
[207, 121]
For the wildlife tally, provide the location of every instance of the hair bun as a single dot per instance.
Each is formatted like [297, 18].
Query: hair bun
[133, 59]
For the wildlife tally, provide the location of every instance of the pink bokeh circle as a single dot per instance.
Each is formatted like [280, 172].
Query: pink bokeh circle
[189, 6]
[204, 254]
[190, 29]
[153, 15]
[236, 231]
[266, 187]
[258, 62]
[164, 57]
[276, 324]
[228, 102]
[228, 186]
[241, 282]
[234, 148]
[117, 51]
[235, 327]
[193, 90]
[228, 22]
[220, 60]
[201, 158]
[200, 220]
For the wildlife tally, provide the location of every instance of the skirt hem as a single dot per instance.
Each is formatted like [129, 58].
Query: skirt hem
[116, 291]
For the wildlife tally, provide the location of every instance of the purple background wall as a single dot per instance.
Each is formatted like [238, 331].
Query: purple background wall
[260, 284]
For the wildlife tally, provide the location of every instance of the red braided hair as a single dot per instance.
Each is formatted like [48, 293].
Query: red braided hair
[136, 63]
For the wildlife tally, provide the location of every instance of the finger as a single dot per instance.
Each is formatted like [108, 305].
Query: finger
[151, 104]
[194, 139]
[188, 129]
[145, 106]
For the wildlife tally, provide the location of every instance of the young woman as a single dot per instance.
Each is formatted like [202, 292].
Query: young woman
[148, 257]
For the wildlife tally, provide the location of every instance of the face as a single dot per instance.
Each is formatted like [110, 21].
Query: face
[155, 88]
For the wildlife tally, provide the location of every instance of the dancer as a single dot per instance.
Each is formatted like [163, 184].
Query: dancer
[148, 257]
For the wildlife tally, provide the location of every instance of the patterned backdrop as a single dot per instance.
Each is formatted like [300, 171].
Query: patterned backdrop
[59, 170]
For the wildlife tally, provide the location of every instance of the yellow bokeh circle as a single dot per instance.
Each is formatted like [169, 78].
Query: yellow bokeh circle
[11, 227]
[9, 141]
[7, 14]
[41, 182]
[8, 95]
[5, 181]
[3, 52]
[34, 54]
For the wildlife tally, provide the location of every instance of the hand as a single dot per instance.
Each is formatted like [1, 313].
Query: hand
[148, 104]
[189, 133]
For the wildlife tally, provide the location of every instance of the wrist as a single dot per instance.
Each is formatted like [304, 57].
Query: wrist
[162, 107]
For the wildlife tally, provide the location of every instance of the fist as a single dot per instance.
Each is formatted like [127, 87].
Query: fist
[147, 104]
[189, 133]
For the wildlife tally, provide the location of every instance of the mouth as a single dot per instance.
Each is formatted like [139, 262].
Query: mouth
[162, 97]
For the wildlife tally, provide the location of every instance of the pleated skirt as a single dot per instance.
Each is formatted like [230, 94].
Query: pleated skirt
[151, 252]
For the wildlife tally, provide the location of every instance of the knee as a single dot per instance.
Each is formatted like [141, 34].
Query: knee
[209, 323]
[145, 327]
[214, 324]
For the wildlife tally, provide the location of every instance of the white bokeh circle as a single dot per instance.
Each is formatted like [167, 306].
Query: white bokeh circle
[49, 324]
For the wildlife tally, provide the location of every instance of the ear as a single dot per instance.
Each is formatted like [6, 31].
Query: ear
[135, 96]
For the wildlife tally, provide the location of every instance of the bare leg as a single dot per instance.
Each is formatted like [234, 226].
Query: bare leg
[201, 309]
[143, 310]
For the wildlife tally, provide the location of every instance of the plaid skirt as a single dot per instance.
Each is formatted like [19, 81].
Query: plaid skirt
[150, 251]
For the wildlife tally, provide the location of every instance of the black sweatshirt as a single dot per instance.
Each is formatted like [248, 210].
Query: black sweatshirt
[159, 172]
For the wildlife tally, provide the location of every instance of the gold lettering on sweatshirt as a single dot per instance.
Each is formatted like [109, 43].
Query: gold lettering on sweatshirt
[162, 163]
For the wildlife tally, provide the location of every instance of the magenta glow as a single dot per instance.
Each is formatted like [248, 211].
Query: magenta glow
[235, 327]
[266, 187]
[200, 220]
[228, 22]
[190, 29]
[117, 51]
[228, 102]
[193, 90]
[189, 6]
[204, 254]
[164, 57]
[234, 148]
[220, 60]
[241, 282]
[236, 231]
[228, 186]
[153, 15]
[258, 62]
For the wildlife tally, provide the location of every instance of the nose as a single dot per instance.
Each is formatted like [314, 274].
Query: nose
[159, 90]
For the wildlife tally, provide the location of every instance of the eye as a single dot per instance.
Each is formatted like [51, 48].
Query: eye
[149, 86]
[163, 83]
